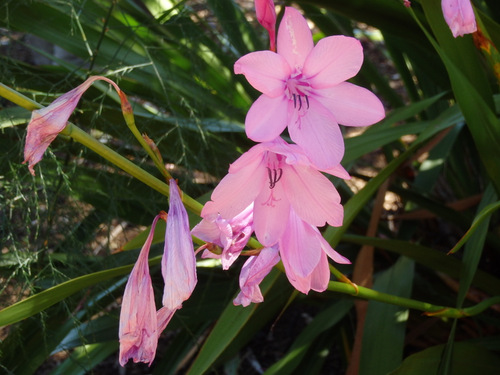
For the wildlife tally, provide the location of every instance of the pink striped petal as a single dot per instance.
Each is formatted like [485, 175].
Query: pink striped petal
[138, 324]
[266, 71]
[237, 191]
[319, 135]
[328, 250]
[352, 105]
[266, 118]
[299, 249]
[294, 39]
[312, 196]
[320, 277]
[338, 171]
[333, 60]
[178, 264]
[271, 210]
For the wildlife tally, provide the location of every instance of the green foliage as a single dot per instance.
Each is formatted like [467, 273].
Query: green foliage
[69, 236]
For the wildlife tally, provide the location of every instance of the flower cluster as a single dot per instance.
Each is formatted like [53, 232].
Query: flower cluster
[277, 189]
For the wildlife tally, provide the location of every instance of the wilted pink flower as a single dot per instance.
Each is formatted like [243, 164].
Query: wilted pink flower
[252, 273]
[266, 15]
[178, 265]
[459, 16]
[46, 123]
[304, 88]
[231, 235]
[138, 330]
[277, 177]
[304, 253]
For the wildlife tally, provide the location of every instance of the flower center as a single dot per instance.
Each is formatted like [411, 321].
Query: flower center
[274, 174]
[298, 90]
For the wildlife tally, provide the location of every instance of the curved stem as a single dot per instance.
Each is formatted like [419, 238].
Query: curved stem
[126, 165]
[428, 308]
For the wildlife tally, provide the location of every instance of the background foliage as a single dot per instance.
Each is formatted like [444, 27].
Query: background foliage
[423, 176]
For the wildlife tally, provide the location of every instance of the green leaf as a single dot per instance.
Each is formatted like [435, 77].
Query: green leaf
[382, 349]
[40, 301]
[229, 325]
[466, 359]
[325, 320]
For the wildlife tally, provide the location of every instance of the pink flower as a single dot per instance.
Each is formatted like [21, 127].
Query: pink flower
[178, 264]
[459, 16]
[277, 177]
[46, 123]
[266, 15]
[138, 331]
[231, 235]
[252, 273]
[304, 253]
[304, 88]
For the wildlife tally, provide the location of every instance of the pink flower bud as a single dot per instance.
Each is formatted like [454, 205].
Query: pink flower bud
[178, 264]
[138, 330]
[46, 123]
[459, 16]
[266, 15]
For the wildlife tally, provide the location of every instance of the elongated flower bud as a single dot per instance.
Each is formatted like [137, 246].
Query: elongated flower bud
[178, 264]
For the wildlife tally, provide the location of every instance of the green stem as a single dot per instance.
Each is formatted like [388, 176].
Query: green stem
[429, 309]
[126, 165]
[129, 119]
[17, 98]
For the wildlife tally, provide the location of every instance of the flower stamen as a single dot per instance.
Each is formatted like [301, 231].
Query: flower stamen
[274, 176]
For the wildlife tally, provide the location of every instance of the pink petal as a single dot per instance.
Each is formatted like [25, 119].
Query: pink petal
[319, 135]
[352, 105]
[266, 71]
[299, 248]
[138, 324]
[320, 277]
[459, 16]
[312, 196]
[294, 39]
[237, 191]
[178, 263]
[336, 257]
[248, 160]
[271, 210]
[255, 269]
[338, 171]
[210, 231]
[333, 60]
[266, 118]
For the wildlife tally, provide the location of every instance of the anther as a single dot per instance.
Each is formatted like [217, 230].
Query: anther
[294, 100]
[307, 101]
[274, 176]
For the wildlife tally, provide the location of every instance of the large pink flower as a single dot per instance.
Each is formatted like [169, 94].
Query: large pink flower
[459, 16]
[277, 177]
[304, 88]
